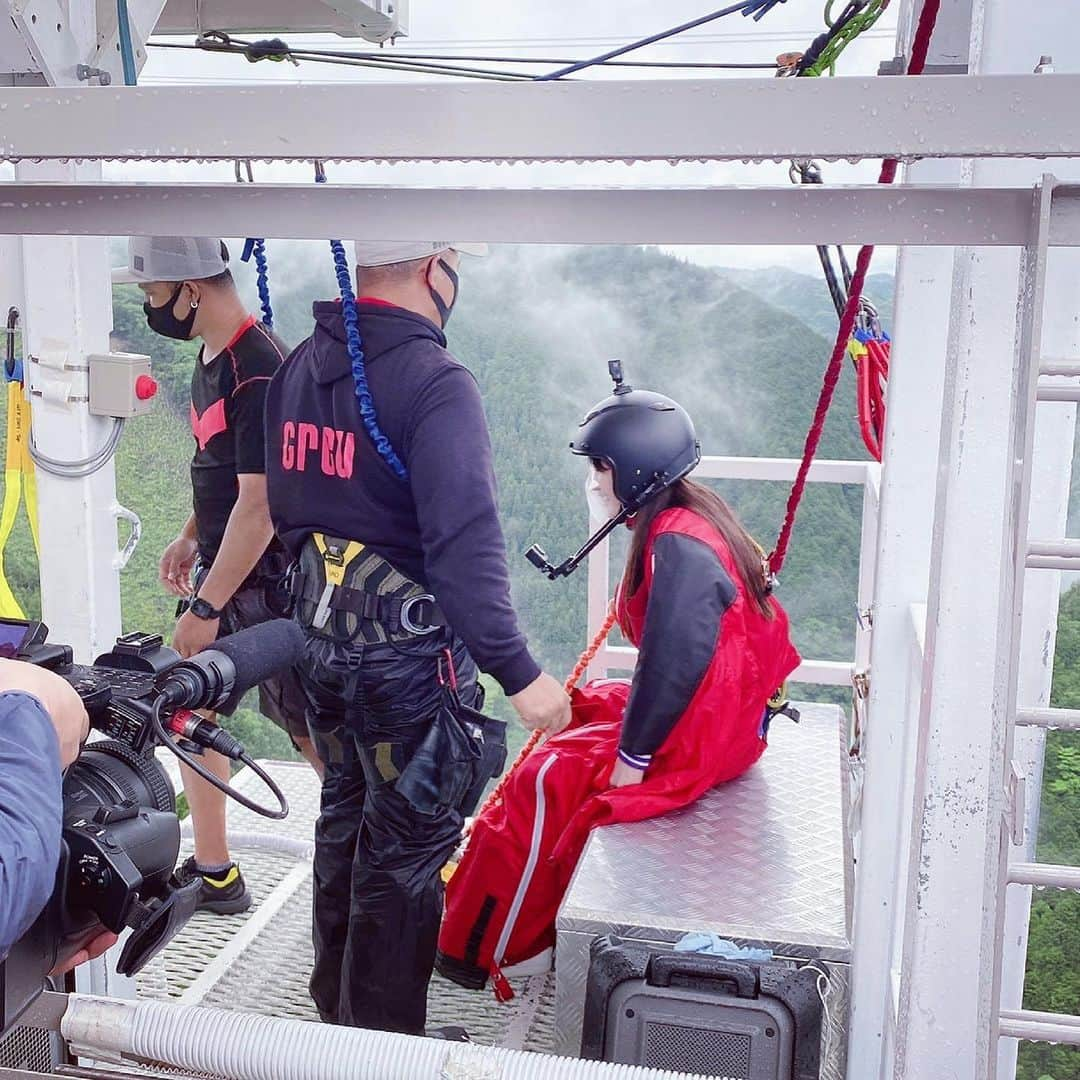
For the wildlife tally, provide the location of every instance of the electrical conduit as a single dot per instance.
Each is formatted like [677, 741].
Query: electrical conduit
[243, 1046]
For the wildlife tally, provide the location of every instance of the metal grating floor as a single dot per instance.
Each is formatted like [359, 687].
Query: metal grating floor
[260, 961]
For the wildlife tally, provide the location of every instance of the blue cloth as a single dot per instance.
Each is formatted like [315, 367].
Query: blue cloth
[31, 806]
[714, 945]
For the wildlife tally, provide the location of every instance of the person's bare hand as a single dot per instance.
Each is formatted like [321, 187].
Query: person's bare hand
[58, 698]
[193, 634]
[175, 566]
[543, 705]
[623, 775]
[93, 949]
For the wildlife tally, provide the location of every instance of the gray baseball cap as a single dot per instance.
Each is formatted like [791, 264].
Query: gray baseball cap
[172, 258]
[375, 253]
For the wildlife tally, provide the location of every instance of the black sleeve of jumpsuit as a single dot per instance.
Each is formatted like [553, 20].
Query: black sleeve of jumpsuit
[689, 594]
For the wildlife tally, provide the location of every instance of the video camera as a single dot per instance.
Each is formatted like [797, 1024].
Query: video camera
[121, 835]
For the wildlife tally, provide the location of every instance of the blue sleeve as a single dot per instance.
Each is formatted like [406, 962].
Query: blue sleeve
[30, 813]
[448, 453]
[689, 594]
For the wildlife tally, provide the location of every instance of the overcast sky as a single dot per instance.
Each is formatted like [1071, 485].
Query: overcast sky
[561, 28]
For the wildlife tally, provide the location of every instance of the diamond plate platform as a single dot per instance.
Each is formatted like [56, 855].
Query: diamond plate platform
[260, 961]
[763, 860]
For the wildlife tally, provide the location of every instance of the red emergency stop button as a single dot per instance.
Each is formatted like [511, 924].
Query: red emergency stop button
[146, 387]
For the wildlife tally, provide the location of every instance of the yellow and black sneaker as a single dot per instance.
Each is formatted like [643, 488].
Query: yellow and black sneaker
[223, 894]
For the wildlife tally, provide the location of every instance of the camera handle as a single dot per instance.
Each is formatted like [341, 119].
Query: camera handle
[233, 749]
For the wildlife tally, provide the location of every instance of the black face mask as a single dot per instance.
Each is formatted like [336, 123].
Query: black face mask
[162, 320]
[441, 305]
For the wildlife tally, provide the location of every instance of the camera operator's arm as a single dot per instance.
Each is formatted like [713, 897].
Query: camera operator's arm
[42, 722]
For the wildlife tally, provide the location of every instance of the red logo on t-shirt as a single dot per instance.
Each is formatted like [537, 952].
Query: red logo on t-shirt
[336, 449]
[212, 422]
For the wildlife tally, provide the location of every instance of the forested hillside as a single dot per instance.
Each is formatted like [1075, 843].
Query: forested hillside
[743, 350]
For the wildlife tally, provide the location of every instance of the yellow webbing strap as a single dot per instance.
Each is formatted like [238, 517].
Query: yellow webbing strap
[335, 560]
[335, 563]
[780, 698]
[19, 482]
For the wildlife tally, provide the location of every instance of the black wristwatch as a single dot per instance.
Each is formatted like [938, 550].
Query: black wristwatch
[202, 609]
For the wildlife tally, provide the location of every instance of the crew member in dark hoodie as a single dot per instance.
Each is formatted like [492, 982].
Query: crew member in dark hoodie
[382, 488]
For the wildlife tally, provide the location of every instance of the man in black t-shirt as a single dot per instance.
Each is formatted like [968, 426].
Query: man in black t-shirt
[225, 564]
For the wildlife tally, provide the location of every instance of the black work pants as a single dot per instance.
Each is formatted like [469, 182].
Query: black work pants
[378, 891]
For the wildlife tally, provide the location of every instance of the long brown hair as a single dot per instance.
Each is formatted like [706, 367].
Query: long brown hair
[689, 495]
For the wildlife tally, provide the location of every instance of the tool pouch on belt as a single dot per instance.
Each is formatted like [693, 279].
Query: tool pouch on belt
[462, 750]
[344, 591]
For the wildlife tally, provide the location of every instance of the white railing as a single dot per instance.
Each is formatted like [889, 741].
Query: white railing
[820, 672]
[908, 748]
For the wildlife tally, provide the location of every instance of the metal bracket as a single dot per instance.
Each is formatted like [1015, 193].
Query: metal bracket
[1017, 802]
[861, 682]
[860, 691]
[84, 73]
[59, 397]
[46, 29]
[46, 1011]
[123, 556]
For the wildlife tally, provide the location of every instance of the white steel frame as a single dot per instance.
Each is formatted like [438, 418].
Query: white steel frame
[948, 117]
[924, 215]
[620, 120]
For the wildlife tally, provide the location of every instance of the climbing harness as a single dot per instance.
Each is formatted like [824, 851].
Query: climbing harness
[19, 477]
[920, 48]
[257, 247]
[353, 343]
[346, 592]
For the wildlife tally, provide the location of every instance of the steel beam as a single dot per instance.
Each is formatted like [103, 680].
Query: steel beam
[685, 119]
[925, 216]
[784, 470]
[1040, 1026]
[376, 21]
[811, 672]
[1045, 875]
[1051, 719]
[917, 377]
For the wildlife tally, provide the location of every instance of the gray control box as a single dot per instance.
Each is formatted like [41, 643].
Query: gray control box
[121, 384]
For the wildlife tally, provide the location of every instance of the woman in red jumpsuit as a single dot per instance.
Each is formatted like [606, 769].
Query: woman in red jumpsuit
[713, 648]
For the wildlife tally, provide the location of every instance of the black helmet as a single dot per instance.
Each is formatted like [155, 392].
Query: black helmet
[647, 439]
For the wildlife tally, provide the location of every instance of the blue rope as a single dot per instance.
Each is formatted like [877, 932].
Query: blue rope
[127, 52]
[350, 316]
[257, 247]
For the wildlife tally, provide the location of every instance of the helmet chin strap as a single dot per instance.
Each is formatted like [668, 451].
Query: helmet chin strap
[538, 557]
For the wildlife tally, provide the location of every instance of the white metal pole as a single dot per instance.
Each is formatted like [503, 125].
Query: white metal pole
[916, 380]
[905, 520]
[67, 315]
[66, 311]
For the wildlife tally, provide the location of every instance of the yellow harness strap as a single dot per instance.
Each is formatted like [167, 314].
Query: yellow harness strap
[335, 562]
[19, 482]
